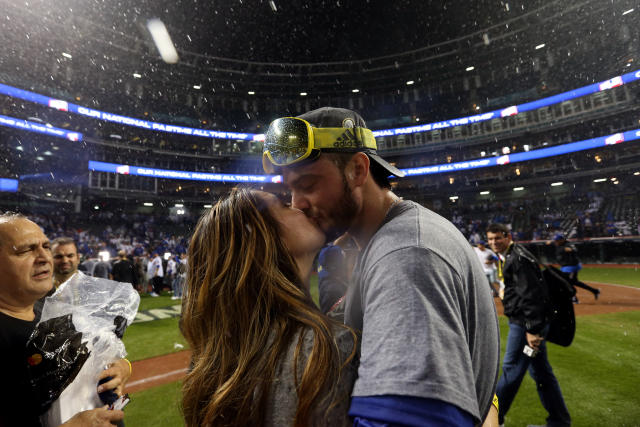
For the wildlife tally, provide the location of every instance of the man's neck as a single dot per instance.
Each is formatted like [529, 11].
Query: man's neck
[19, 312]
[59, 279]
[376, 205]
[507, 249]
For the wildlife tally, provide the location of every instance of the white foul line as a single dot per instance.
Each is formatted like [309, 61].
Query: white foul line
[157, 377]
[611, 284]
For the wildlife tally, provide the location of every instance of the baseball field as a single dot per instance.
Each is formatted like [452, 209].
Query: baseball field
[599, 373]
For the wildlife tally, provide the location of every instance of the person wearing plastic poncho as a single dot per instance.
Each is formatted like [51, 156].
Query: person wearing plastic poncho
[25, 277]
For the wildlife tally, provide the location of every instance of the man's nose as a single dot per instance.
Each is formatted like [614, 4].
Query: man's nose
[299, 202]
[44, 256]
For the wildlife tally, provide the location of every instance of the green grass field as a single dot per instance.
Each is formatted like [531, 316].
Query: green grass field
[164, 300]
[619, 276]
[599, 373]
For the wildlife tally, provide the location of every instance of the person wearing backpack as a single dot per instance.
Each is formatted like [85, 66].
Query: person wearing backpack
[526, 304]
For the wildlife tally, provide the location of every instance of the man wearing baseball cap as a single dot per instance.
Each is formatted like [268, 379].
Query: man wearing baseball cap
[430, 338]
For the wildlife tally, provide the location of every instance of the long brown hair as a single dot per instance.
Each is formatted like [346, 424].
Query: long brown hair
[244, 305]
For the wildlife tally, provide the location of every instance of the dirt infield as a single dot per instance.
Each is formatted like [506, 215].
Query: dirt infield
[160, 370]
[613, 299]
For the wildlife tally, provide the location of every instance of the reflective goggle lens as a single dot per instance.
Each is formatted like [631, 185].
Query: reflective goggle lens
[287, 141]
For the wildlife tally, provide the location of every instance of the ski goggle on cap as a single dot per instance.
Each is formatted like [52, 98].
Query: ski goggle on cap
[294, 140]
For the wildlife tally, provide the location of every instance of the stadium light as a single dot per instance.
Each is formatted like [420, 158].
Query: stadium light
[66, 55]
[148, 204]
[518, 188]
[180, 212]
[163, 42]
[303, 93]
[251, 92]
[636, 173]
[179, 205]
[540, 46]
[96, 207]
[470, 68]
[355, 90]
[137, 76]
[453, 198]
[208, 206]
[627, 11]
[614, 179]
[197, 86]
[556, 184]
[600, 180]
[410, 82]
[484, 193]
[48, 194]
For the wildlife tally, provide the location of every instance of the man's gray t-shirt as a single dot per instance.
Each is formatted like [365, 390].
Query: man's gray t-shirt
[428, 321]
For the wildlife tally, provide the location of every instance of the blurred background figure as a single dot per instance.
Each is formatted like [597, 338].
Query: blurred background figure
[155, 274]
[65, 259]
[124, 271]
[489, 261]
[567, 257]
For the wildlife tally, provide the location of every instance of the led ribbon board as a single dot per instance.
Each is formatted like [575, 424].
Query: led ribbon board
[39, 128]
[557, 150]
[7, 184]
[115, 118]
[515, 109]
[174, 174]
[505, 112]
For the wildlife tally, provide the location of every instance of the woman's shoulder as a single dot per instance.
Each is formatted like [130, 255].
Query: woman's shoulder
[284, 399]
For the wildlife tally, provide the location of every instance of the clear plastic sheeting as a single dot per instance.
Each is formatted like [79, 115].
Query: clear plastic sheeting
[101, 309]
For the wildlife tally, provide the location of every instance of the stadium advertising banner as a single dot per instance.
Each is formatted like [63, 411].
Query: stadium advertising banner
[40, 128]
[7, 184]
[557, 150]
[515, 109]
[115, 118]
[174, 174]
[505, 112]
[588, 144]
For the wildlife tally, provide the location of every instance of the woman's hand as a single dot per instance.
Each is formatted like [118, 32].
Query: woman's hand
[119, 372]
[100, 417]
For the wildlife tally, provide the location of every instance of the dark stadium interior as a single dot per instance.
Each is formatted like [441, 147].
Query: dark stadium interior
[243, 63]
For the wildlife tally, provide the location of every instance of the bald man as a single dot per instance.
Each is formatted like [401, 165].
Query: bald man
[26, 275]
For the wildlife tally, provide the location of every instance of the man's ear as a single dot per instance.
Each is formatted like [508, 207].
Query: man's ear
[357, 170]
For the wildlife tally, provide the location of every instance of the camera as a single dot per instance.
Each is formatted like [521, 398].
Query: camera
[530, 351]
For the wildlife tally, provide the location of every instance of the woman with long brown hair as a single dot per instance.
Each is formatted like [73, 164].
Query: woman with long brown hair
[263, 353]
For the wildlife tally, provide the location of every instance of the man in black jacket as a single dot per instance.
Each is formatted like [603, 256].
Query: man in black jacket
[526, 305]
[124, 271]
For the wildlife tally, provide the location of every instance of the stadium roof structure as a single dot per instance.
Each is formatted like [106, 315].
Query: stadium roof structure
[270, 48]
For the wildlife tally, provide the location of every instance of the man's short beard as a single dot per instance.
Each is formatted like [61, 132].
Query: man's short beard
[345, 212]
